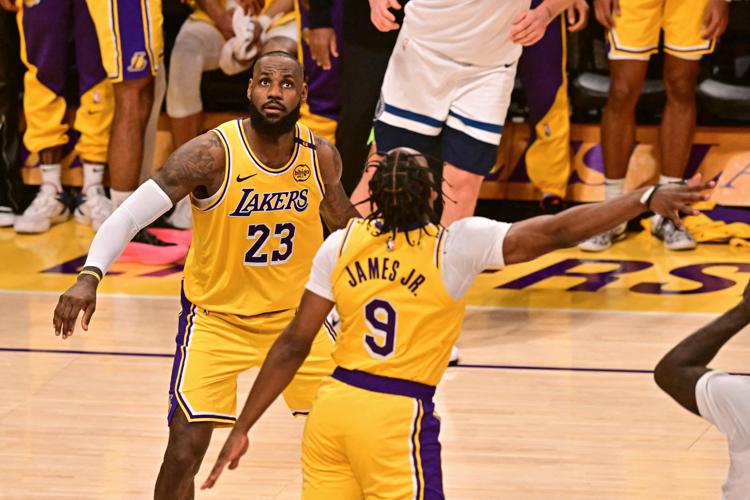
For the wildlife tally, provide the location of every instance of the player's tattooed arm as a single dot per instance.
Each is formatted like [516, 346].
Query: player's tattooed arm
[197, 165]
[336, 208]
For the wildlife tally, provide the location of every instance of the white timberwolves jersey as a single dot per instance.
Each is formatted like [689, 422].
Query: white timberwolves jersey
[468, 31]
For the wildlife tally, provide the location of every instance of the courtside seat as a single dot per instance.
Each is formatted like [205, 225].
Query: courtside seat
[723, 100]
[725, 95]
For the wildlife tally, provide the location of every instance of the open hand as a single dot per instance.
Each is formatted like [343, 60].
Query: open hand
[323, 45]
[672, 199]
[529, 26]
[605, 11]
[381, 17]
[234, 448]
[715, 19]
[577, 15]
[79, 297]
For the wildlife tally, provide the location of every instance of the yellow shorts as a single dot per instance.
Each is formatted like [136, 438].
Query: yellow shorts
[130, 37]
[214, 348]
[371, 437]
[636, 31]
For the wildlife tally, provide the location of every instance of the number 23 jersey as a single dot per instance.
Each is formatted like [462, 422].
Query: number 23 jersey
[255, 238]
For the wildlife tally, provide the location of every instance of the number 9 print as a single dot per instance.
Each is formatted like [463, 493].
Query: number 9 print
[383, 330]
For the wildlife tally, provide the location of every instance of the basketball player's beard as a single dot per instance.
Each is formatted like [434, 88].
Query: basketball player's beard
[284, 125]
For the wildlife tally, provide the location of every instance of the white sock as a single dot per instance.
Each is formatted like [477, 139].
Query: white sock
[613, 188]
[93, 175]
[51, 177]
[665, 179]
[118, 197]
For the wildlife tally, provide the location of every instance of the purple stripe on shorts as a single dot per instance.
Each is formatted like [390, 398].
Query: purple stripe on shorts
[136, 59]
[182, 327]
[417, 479]
[385, 385]
[429, 453]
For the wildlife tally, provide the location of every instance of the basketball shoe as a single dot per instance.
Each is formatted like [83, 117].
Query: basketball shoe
[673, 238]
[93, 207]
[603, 241]
[47, 208]
[6, 216]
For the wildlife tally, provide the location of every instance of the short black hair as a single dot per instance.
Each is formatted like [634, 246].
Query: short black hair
[401, 189]
[276, 53]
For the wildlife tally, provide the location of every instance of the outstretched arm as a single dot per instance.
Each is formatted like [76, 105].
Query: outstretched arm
[283, 361]
[679, 370]
[336, 208]
[196, 166]
[537, 236]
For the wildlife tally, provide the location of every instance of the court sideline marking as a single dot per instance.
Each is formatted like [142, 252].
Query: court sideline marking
[467, 365]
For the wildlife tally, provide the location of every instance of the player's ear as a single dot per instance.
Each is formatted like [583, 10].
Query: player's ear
[303, 92]
[249, 89]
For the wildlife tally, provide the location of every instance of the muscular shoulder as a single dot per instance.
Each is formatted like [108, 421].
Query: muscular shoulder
[199, 162]
[330, 160]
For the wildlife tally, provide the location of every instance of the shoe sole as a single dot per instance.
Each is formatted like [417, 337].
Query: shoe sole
[681, 248]
[58, 219]
[615, 239]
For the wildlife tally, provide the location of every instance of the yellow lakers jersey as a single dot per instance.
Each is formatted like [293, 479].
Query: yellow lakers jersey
[255, 238]
[397, 318]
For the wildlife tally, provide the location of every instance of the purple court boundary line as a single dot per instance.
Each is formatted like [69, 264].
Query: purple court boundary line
[476, 366]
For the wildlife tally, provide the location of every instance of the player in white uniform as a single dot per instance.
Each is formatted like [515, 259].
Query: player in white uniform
[721, 398]
[449, 81]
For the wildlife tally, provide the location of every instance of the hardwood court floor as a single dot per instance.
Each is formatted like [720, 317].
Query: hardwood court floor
[555, 399]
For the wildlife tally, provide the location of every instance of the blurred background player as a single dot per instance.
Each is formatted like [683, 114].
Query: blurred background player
[363, 52]
[542, 70]
[721, 398]
[398, 280]
[448, 85]
[11, 197]
[46, 30]
[132, 50]
[321, 111]
[691, 29]
[259, 187]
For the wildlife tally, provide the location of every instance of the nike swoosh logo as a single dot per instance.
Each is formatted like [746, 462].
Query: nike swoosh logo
[243, 179]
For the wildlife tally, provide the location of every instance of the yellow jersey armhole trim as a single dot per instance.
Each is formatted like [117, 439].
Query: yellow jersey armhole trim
[316, 163]
[439, 245]
[260, 164]
[213, 201]
[348, 230]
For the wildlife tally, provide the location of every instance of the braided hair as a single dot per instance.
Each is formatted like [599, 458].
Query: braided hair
[402, 190]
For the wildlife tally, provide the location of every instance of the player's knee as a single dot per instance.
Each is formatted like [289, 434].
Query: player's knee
[462, 183]
[623, 94]
[182, 460]
[679, 87]
[131, 94]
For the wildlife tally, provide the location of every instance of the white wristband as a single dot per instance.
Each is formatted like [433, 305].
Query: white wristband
[647, 195]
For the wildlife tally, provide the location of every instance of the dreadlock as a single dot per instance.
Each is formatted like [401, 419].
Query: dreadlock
[400, 192]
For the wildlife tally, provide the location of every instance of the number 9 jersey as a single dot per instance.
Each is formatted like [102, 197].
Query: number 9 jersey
[255, 238]
[398, 319]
